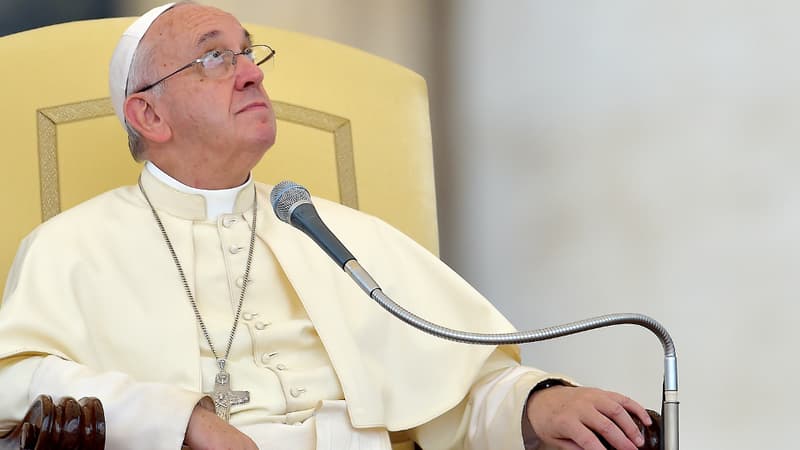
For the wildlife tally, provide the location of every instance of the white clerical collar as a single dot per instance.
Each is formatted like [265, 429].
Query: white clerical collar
[218, 201]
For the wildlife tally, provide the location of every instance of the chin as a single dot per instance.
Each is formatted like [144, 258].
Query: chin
[262, 143]
[267, 140]
[264, 132]
[260, 135]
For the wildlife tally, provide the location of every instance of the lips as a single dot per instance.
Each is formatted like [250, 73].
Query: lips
[254, 106]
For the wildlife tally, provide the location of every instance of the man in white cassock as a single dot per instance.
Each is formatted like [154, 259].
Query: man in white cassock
[201, 320]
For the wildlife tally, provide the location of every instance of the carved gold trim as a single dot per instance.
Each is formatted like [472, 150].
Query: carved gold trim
[48, 119]
[342, 143]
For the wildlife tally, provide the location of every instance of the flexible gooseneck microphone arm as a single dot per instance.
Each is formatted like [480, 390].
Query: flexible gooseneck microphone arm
[292, 204]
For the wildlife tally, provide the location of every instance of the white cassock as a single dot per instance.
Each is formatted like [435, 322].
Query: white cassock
[94, 307]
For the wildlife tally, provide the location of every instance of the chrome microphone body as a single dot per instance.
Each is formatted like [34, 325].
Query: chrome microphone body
[292, 204]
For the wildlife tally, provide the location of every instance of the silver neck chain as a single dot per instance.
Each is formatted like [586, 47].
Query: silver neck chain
[220, 361]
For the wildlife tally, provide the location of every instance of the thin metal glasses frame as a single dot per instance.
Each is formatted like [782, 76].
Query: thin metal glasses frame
[246, 52]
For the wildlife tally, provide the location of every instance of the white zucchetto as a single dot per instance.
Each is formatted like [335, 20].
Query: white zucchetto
[123, 54]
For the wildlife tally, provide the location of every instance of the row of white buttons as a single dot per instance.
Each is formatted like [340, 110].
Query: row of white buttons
[266, 358]
[227, 222]
[250, 316]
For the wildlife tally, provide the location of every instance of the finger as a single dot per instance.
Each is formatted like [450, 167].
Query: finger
[611, 432]
[586, 439]
[634, 408]
[566, 444]
[639, 410]
[569, 431]
[619, 424]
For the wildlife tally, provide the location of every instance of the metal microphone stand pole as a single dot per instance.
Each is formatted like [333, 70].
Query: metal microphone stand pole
[669, 405]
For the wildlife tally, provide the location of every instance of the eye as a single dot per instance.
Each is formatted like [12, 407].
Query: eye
[248, 53]
[213, 59]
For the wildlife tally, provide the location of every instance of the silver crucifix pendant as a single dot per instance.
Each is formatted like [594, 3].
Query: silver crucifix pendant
[224, 397]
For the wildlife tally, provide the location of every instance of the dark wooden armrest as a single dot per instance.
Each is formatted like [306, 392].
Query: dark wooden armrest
[68, 425]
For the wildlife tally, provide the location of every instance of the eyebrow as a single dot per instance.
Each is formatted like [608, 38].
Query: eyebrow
[207, 36]
[215, 33]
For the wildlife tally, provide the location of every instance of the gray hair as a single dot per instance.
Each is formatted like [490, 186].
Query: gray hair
[142, 72]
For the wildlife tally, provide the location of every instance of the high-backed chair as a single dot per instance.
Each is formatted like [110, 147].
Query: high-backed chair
[353, 128]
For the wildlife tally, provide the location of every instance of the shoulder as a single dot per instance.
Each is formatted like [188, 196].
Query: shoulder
[65, 239]
[367, 236]
[86, 218]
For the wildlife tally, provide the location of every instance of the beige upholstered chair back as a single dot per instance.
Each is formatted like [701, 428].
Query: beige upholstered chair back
[352, 127]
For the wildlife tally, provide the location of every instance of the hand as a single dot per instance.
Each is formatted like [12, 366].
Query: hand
[568, 418]
[206, 431]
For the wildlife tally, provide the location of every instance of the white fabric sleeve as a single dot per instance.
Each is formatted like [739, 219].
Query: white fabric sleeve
[490, 417]
[15, 377]
[498, 409]
[138, 415]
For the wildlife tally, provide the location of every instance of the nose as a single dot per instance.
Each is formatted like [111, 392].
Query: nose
[247, 73]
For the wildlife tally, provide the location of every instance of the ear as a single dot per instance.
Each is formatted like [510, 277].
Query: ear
[142, 115]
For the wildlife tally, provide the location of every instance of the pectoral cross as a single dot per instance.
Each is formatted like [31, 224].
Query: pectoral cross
[224, 397]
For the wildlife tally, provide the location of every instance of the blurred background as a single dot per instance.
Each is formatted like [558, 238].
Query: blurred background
[596, 157]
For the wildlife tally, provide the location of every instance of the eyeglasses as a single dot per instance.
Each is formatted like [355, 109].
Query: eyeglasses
[220, 63]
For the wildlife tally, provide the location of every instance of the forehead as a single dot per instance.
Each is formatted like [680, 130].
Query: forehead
[190, 28]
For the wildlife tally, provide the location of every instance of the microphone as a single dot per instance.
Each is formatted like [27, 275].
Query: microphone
[292, 204]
